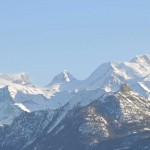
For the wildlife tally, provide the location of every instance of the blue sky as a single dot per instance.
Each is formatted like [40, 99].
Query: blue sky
[43, 37]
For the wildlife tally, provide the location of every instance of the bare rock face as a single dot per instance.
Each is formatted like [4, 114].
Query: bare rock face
[125, 88]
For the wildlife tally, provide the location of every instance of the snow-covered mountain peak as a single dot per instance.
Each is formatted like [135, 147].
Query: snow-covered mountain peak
[64, 77]
[20, 78]
[142, 59]
[102, 70]
[67, 76]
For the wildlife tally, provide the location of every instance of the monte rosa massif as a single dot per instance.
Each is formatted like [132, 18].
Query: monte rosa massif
[110, 110]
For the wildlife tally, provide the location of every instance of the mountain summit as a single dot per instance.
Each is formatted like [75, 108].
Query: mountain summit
[63, 81]
[20, 78]
[63, 77]
[142, 59]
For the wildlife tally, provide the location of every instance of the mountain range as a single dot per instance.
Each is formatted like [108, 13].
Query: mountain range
[110, 110]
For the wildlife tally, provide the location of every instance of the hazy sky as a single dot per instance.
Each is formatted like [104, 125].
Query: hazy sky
[43, 37]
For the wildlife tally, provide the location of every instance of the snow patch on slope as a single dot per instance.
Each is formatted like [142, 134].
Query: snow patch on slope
[24, 108]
